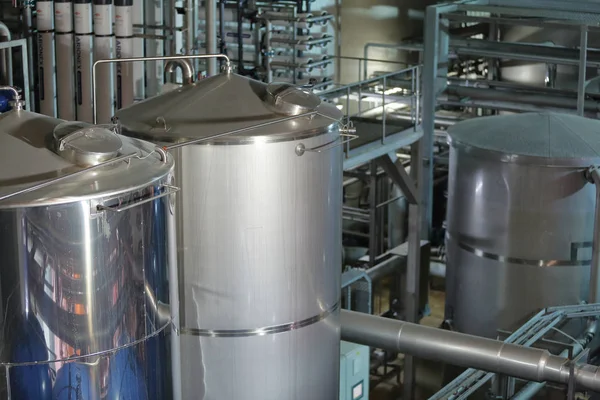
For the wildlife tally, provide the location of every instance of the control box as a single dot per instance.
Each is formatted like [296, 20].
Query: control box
[354, 371]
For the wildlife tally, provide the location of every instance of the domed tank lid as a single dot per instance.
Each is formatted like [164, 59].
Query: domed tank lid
[532, 138]
[30, 156]
[288, 99]
[86, 145]
[225, 103]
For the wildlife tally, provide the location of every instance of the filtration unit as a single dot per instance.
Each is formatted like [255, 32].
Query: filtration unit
[87, 266]
[83, 59]
[520, 218]
[124, 49]
[65, 82]
[103, 50]
[46, 57]
[259, 235]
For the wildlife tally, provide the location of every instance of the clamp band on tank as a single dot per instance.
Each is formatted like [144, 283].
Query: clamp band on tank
[140, 59]
[515, 260]
[269, 330]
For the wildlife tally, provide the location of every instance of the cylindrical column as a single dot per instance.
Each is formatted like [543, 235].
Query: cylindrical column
[139, 69]
[46, 57]
[83, 58]
[211, 35]
[124, 49]
[594, 176]
[65, 82]
[103, 50]
[464, 350]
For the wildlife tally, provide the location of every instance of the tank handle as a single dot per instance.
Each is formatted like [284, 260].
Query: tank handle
[592, 174]
[166, 191]
[347, 131]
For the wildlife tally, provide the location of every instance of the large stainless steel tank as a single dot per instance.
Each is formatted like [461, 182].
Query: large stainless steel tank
[259, 233]
[520, 217]
[85, 266]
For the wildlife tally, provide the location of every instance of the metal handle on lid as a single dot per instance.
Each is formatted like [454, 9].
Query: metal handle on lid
[348, 131]
[167, 190]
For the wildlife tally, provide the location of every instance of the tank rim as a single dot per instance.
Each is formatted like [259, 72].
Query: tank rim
[523, 159]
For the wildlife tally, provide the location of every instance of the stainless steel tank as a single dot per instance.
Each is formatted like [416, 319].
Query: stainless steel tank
[86, 261]
[520, 217]
[259, 236]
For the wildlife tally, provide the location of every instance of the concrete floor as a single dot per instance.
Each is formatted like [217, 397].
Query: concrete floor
[429, 374]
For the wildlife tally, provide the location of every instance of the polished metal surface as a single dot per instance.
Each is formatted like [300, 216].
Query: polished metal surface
[225, 103]
[84, 283]
[28, 158]
[259, 234]
[86, 145]
[259, 239]
[520, 219]
[465, 350]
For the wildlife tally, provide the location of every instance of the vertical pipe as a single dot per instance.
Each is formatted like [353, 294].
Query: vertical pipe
[211, 35]
[139, 69]
[83, 59]
[103, 50]
[268, 50]
[189, 25]
[154, 48]
[65, 82]
[28, 34]
[582, 70]
[6, 56]
[46, 58]
[124, 49]
[222, 44]
[594, 177]
[373, 212]
[240, 21]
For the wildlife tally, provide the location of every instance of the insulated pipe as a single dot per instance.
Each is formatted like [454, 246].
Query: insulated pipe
[46, 60]
[7, 75]
[103, 50]
[124, 49]
[465, 350]
[83, 58]
[65, 82]
[532, 388]
[211, 35]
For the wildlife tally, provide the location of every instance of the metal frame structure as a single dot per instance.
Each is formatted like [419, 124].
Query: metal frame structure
[380, 153]
[530, 334]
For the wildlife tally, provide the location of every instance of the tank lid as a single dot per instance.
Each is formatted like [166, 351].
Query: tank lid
[85, 144]
[288, 99]
[31, 153]
[225, 103]
[534, 138]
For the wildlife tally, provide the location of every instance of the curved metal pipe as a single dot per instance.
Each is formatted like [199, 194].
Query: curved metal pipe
[187, 70]
[465, 350]
[7, 54]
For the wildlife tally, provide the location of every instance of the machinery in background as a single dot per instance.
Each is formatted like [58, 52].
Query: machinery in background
[520, 218]
[354, 371]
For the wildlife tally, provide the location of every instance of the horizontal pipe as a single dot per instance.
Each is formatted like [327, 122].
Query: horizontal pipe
[465, 350]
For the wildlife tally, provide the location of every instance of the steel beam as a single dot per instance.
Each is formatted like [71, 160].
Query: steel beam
[399, 177]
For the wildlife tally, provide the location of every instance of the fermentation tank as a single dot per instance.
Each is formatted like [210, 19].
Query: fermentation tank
[259, 235]
[520, 217]
[85, 270]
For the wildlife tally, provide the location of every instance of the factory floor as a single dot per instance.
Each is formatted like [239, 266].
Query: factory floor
[429, 374]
